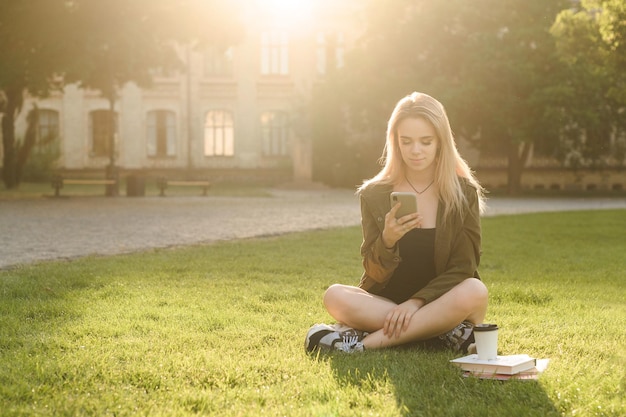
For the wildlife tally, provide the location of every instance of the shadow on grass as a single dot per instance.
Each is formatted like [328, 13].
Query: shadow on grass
[423, 382]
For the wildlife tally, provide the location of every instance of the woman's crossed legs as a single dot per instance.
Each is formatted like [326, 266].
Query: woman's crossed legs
[364, 311]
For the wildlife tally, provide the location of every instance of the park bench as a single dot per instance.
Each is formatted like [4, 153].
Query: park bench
[58, 182]
[164, 183]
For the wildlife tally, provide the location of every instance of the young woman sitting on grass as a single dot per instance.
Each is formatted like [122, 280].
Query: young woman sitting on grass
[420, 282]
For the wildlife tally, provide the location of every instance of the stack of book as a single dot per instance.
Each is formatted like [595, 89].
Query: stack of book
[502, 368]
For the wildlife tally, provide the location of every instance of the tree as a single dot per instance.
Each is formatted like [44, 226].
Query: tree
[591, 41]
[492, 63]
[100, 45]
[512, 59]
[120, 41]
[31, 50]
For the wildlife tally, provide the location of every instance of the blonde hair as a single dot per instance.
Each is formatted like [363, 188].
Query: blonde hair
[449, 163]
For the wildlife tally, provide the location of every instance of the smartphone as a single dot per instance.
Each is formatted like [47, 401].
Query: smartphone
[408, 203]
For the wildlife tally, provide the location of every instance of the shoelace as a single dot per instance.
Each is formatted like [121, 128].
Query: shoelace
[349, 342]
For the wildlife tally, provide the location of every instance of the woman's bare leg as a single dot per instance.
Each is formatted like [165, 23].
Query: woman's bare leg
[361, 310]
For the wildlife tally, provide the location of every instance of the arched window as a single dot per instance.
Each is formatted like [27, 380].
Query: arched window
[219, 133]
[161, 134]
[100, 132]
[274, 133]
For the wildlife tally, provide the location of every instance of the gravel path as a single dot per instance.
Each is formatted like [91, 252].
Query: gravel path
[64, 228]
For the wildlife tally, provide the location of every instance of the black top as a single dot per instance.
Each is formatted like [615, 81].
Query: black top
[417, 268]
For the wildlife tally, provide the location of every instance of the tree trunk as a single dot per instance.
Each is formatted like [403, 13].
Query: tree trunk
[14, 102]
[30, 139]
[518, 155]
[111, 171]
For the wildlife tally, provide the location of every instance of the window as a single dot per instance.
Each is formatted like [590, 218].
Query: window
[274, 53]
[218, 62]
[274, 133]
[100, 129]
[161, 133]
[330, 52]
[47, 132]
[219, 134]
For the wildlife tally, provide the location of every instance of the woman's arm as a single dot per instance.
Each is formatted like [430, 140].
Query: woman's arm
[378, 261]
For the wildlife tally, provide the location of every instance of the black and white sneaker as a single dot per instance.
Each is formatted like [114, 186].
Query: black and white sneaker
[327, 337]
[461, 338]
[352, 342]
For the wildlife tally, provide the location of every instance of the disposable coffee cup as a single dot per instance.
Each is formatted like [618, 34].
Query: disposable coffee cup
[486, 337]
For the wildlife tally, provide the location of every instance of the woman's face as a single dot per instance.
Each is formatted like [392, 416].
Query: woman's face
[418, 144]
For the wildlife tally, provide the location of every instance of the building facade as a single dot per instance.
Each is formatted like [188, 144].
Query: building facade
[232, 113]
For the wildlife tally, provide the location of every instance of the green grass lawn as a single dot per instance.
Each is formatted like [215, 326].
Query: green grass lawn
[219, 330]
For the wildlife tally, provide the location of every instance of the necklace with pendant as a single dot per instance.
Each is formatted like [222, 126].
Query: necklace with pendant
[415, 189]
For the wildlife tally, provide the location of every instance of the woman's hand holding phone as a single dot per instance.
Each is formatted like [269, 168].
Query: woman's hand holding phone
[396, 228]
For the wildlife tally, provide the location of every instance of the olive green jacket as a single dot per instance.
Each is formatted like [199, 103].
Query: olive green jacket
[457, 243]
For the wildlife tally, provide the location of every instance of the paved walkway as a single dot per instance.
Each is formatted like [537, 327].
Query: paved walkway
[47, 229]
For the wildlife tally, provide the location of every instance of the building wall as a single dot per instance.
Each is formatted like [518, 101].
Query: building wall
[557, 179]
[191, 95]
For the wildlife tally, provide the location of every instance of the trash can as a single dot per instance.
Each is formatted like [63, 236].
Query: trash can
[135, 186]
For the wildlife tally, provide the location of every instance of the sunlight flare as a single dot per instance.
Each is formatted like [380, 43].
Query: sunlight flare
[286, 13]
